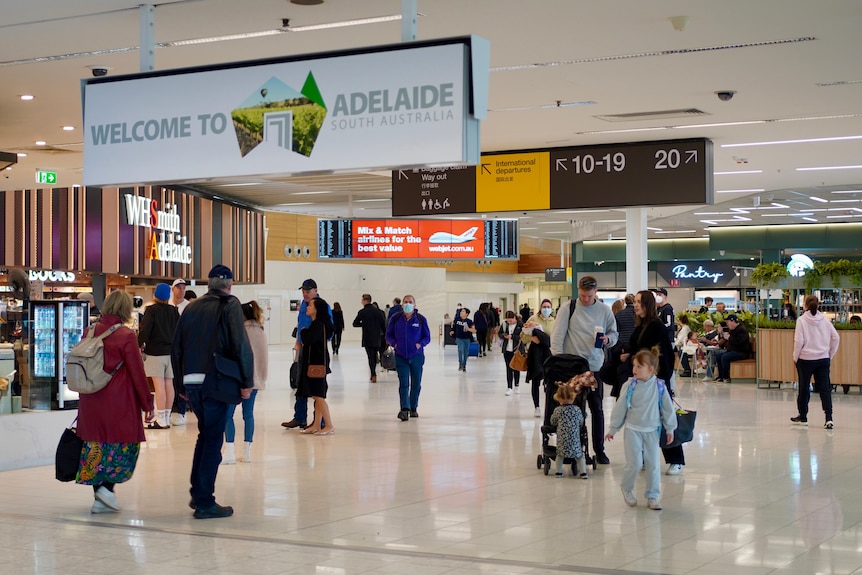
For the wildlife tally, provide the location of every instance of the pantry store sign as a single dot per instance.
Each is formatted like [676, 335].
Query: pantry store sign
[354, 110]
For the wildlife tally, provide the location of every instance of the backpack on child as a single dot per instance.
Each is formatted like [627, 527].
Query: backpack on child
[85, 364]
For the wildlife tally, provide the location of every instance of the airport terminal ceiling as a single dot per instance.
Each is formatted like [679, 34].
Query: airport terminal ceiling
[776, 90]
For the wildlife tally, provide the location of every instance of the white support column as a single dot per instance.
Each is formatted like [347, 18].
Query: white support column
[408, 20]
[147, 50]
[636, 250]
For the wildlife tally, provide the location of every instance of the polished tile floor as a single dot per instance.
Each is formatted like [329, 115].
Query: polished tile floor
[457, 491]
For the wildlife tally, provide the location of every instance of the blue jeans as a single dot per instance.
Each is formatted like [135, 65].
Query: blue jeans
[247, 418]
[463, 351]
[212, 418]
[819, 368]
[409, 380]
[724, 363]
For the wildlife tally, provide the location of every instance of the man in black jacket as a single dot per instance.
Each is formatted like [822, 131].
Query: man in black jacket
[373, 325]
[738, 345]
[214, 324]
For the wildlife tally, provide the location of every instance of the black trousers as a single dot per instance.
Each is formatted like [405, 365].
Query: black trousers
[371, 352]
[819, 368]
[594, 402]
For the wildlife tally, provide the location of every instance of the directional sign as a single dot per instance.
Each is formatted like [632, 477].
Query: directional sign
[672, 172]
[512, 182]
[434, 191]
[663, 173]
[46, 177]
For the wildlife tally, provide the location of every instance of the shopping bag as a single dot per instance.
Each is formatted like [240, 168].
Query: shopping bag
[68, 456]
[684, 433]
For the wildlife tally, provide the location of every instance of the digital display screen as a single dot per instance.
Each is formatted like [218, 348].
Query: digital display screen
[417, 239]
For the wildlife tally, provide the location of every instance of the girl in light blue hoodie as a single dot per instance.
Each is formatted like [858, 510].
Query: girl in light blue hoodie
[643, 407]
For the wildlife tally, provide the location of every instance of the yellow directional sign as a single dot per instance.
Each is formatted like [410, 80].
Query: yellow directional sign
[507, 182]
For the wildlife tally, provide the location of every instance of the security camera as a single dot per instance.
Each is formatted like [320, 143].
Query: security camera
[98, 71]
[723, 95]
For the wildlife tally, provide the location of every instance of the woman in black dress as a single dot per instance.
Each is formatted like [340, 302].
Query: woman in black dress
[314, 346]
[650, 331]
[337, 327]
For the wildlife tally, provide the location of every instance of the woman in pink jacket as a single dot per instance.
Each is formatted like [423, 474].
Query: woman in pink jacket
[815, 343]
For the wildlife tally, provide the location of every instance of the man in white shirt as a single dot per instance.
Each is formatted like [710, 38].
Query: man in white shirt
[178, 295]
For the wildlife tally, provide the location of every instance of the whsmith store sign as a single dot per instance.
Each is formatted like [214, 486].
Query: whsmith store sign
[352, 110]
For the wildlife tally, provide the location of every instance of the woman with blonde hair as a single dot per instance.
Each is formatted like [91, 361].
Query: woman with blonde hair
[253, 314]
[109, 421]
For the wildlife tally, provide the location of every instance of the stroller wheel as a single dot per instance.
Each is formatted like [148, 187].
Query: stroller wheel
[539, 461]
[547, 465]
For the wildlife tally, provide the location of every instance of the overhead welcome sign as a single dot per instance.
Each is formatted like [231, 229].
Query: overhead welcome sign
[350, 110]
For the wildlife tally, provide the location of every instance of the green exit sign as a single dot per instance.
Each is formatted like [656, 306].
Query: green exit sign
[46, 177]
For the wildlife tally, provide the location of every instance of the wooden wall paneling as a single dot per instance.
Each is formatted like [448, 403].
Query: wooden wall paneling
[110, 230]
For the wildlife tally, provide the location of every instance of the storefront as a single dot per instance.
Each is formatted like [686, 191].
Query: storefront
[58, 243]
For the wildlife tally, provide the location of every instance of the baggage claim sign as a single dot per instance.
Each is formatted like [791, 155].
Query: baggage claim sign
[166, 243]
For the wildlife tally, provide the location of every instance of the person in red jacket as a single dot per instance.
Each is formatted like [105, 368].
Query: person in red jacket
[109, 421]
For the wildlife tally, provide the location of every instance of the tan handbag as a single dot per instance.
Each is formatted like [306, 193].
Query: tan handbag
[316, 371]
[519, 360]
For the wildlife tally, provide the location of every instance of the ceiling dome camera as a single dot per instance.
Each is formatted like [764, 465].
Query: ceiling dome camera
[723, 95]
[97, 72]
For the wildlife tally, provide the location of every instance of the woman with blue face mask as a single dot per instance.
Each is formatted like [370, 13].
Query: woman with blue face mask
[536, 335]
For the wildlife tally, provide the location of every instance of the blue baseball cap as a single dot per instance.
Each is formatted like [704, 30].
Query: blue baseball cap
[162, 292]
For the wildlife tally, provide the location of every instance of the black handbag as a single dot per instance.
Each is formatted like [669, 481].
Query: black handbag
[684, 428]
[67, 460]
[294, 375]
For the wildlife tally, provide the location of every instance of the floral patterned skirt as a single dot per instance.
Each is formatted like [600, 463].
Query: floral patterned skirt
[107, 462]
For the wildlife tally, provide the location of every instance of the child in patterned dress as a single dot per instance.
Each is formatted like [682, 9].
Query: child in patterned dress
[568, 418]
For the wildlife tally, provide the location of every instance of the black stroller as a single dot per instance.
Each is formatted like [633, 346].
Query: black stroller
[562, 368]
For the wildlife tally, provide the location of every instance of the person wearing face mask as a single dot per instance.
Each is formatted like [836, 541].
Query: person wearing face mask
[408, 334]
[537, 332]
[665, 312]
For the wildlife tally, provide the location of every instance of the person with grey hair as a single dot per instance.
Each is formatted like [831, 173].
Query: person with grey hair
[213, 327]
[88, 297]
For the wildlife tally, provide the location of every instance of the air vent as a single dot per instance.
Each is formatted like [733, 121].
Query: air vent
[657, 115]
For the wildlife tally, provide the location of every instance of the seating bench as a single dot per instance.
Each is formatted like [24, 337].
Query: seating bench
[745, 368]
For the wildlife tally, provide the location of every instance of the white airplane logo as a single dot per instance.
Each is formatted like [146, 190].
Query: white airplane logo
[447, 238]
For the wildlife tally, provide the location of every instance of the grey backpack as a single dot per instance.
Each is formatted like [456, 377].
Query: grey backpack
[85, 364]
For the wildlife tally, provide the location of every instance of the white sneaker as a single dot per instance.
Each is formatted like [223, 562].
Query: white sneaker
[537, 412]
[518, 389]
[654, 504]
[109, 498]
[629, 498]
[229, 455]
[673, 469]
[509, 391]
[178, 419]
[99, 507]
[707, 378]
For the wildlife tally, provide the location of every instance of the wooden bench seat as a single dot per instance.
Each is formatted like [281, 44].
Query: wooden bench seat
[745, 368]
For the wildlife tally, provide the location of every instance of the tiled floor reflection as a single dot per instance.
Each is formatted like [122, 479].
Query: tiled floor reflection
[457, 491]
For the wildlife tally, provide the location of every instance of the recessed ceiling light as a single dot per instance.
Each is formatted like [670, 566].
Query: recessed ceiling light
[308, 193]
[374, 200]
[837, 201]
[610, 221]
[40, 142]
[828, 168]
[68, 128]
[738, 172]
[23, 155]
[298, 204]
[27, 97]
[816, 199]
[241, 184]
[556, 222]
[676, 232]
[523, 229]
[847, 192]
[810, 219]
[306, 2]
